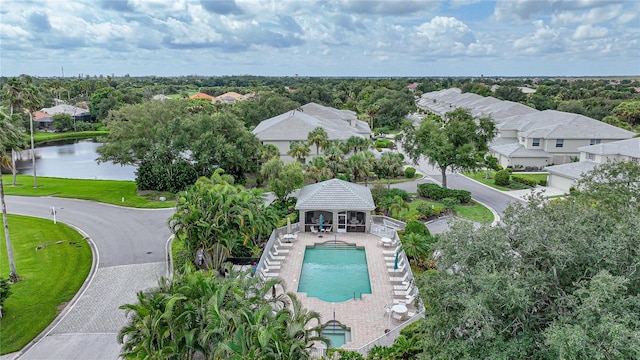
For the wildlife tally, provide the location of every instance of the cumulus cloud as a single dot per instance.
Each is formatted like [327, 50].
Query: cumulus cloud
[385, 7]
[223, 7]
[117, 5]
[588, 32]
[528, 9]
[39, 22]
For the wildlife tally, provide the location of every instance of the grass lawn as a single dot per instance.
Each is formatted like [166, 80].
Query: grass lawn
[42, 137]
[476, 212]
[106, 191]
[418, 176]
[481, 177]
[50, 277]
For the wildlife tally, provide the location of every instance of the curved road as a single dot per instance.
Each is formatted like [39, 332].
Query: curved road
[131, 257]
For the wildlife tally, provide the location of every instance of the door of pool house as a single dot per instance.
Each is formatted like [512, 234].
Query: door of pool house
[342, 222]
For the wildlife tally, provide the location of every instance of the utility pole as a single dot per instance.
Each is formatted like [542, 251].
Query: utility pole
[62, 67]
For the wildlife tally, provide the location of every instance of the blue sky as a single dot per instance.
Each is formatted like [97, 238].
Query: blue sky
[320, 38]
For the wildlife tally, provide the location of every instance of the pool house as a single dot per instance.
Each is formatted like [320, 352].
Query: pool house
[335, 206]
[346, 264]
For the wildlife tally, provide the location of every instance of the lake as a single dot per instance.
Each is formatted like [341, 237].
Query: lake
[75, 159]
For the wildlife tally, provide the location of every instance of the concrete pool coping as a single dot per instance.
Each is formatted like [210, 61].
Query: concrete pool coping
[365, 317]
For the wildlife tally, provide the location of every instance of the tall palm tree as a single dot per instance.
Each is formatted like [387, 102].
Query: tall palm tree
[358, 165]
[13, 91]
[32, 101]
[299, 151]
[334, 156]
[319, 138]
[10, 138]
[389, 165]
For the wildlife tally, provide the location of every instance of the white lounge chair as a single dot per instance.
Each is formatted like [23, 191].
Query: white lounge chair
[399, 269]
[404, 286]
[410, 291]
[267, 274]
[275, 257]
[314, 230]
[276, 250]
[284, 244]
[272, 263]
[397, 316]
[391, 252]
[400, 279]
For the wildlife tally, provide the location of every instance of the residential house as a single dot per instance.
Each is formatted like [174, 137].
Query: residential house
[565, 176]
[526, 137]
[42, 120]
[77, 113]
[201, 96]
[295, 126]
[231, 97]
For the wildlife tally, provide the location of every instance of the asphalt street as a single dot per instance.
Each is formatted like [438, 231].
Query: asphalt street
[131, 254]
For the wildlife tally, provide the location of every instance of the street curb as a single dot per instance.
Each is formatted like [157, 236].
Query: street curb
[72, 303]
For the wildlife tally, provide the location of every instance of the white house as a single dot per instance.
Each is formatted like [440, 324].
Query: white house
[526, 137]
[565, 176]
[295, 126]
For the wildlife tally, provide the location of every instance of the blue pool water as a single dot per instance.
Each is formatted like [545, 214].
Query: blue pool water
[333, 273]
[337, 333]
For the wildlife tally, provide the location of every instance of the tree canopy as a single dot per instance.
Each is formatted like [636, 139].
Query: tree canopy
[557, 279]
[456, 142]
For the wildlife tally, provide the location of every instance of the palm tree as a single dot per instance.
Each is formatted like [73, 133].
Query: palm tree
[318, 170]
[358, 143]
[389, 165]
[319, 138]
[10, 138]
[334, 156]
[416, 247]
[358, 165]
[33, 102]
[299, 151]
[13, 91]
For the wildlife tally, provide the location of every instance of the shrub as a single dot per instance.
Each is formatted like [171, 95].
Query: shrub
[524, 180]
[542, 182]
[5, 290]
[416, 227]
[173, 177]
[436, 192]
[449, 203]
[409, 172]
[382, 143]
[391, 193]
[502, 178]
[425, 210]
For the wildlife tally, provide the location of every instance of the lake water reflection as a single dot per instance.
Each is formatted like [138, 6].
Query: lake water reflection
[73, 160]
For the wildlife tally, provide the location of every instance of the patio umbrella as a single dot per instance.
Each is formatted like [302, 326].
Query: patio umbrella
[395, 263]
[320, 221]
[288, 225]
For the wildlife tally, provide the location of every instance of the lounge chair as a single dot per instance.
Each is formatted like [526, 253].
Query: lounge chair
[404, 287]
[277, 251]
[284, 244]
[272, 263]
[397, 316]
[267, 274]
[399, 269]
[410, 291]
[391, 252]
[314, 230]
[400, 279]
[275, 257]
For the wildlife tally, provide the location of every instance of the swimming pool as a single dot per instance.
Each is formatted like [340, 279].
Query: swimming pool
[337, 333]
[334, 272]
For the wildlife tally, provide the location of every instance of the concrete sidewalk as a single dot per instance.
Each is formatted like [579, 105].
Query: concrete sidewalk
[90, 328]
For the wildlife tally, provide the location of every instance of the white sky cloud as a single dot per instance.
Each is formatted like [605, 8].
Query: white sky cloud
[319, 37]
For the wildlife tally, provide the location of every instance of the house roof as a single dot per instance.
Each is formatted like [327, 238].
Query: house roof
[573, 170]
[335, 194]
[43, 117]
[201, 96]
[514, 149]
[66, 109]
[297, 124]
[629, 147]
[552, 124]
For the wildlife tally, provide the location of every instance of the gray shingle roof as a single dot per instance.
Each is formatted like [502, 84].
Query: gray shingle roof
[629, 147]
[296, 124]
[573, 170]
[552, 124]
[335, 194]
[514, 149]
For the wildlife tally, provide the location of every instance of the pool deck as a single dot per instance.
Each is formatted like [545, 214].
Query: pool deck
[365, 317]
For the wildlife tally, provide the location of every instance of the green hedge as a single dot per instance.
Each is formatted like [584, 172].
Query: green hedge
[523, 179]
[437, 193]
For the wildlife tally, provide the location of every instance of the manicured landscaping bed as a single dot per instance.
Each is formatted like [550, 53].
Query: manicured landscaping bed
[481, 177]
[474, 212]
[50, 276]
[107, 191]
